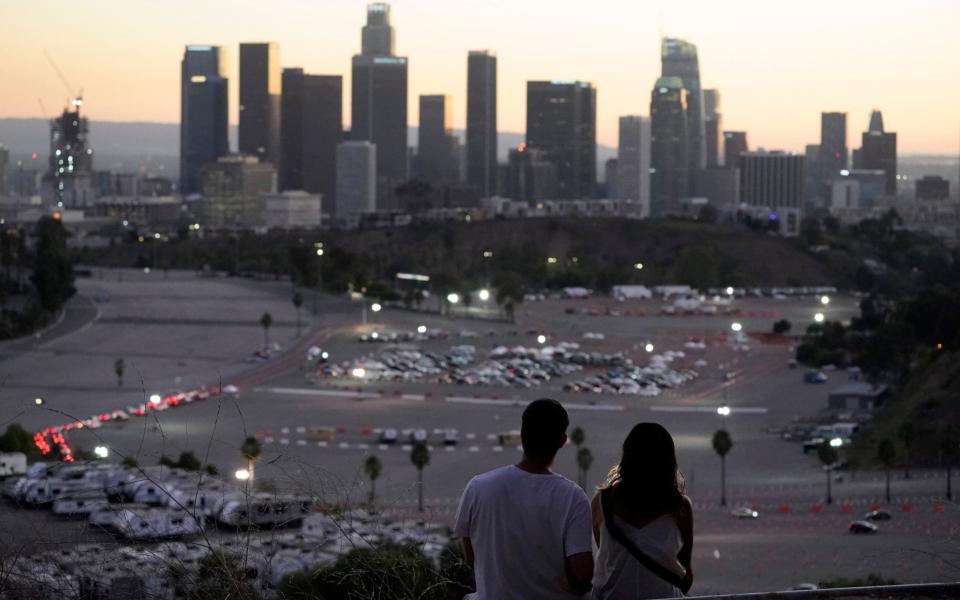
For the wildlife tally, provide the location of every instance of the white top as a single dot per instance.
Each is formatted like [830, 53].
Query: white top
[523, 526]
[618, 575]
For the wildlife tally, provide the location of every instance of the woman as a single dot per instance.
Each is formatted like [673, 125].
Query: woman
[643, 522]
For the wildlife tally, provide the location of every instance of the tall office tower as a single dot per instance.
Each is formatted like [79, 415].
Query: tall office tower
[260, 101]
[436, 145]
[203, 113]
[633, 162]
[562, 122]
[734, 144]
[773, 182]
[4, 168]
[356, 178]
[669, 147]
[679, 59]
[234, 188]
[379, 99]
[311, 126]
[482, 122]
[878, 151]
[712, 127]
[833, 143]
[70, 179]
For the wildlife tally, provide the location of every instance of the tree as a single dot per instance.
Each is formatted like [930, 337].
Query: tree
[251, 451]
[52, 271]
[577, 436]
[17, 439]
[510, 292]
[266, 321]
[722, 443]
[948, 450]
[130, 462]
[584, 461]
[828, 456]
[188, 462]
[887, 453]
[697, 266]
[782, 327]
[297, 303]
[420, 457]
[118, 367]
[221, 574]
[906, 433]
[373, 467]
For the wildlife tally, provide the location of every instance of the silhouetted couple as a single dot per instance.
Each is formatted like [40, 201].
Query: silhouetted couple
[527, 530]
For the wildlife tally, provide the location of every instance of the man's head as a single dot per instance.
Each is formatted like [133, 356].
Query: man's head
[544, 429]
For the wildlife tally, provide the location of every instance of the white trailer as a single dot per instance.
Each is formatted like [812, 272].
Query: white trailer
[265, 510]
[13, 463]
[631, 292]
[82, 503]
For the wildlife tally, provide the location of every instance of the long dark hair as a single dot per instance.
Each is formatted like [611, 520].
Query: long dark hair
[647, 481]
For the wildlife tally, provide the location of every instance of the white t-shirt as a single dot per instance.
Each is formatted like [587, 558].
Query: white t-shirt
[523, 526]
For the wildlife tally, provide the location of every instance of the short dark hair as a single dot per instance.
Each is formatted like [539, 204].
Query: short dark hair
[542, 428]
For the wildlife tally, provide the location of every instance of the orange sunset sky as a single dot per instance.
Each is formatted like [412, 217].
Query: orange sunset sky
[777, 63]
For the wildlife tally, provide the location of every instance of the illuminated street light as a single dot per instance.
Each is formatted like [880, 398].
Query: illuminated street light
[359, 372]
[736, 327]
[552, 260]
[836, 442]
[421, 329]
[824, 300]
[638, 266]
[319, 251]
[648, 347]
[453, 298]
[375, 335]
[375, 307]
[487, 254]
[818, 317]
[242, 474]
[101, 452]
[38, 401]
[729, 290]
[541, 339]
[723, 411]
[484, 295]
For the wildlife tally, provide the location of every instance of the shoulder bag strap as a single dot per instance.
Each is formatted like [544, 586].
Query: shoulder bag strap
[650, 564]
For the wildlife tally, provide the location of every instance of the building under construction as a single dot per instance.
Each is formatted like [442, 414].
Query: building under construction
[69, 183]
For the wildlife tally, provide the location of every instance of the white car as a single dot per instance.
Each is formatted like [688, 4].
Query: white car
[745, 512]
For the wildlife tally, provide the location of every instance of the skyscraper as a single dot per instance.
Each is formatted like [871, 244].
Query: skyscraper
[712, 127]
[679, 59]
[312, 126]
[203, 113]
[379, 98]
[69, 180]
[734, 144]
[482, 122]
[562, 122]
[356, 178]
[259, 131]
[669, 147]
[833, 143]
[633, 162]
[878, 151]
[773, 181]
[436, 144]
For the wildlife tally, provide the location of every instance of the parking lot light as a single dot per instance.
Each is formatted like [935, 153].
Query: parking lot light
[242, 474]
[736, 327]
[484, 295]
[375, 307]
[648, 347]
[723, 411]
[551, 260]
[818, 317]
[729, 290]
[453, 297]
[836, 442]
[541, 339]
[824, 300]
[38, 401]
[421, 329]
[101, 452]
[638, 266]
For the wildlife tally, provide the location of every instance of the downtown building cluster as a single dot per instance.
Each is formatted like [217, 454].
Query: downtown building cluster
[297, 165]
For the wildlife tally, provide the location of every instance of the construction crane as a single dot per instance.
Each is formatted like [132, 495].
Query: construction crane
[74, 99]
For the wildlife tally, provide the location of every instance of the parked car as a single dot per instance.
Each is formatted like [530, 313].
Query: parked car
[877, 515]
[814, 377]
[745, 512]
[388, 436]
[862, 527]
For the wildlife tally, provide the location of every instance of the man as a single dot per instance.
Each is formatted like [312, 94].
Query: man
[525, 529]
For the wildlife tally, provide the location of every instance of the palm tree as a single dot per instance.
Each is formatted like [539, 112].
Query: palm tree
[584, 460]
[577, 436]
[722, 443]
[887, 453]
[948, 449]
[250, 449]
[828, 456]
[297, 303]
[373, 467]
[266, 321]
[118, 368]
[906, 433]
[420, 457]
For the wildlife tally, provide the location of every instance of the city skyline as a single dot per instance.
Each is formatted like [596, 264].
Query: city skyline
[745, 57]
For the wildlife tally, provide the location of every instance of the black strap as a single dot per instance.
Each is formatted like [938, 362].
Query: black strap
[650, 564]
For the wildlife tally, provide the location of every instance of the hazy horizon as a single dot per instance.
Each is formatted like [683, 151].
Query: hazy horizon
[777, 67]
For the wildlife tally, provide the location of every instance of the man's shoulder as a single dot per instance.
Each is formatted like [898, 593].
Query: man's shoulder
[493, 476]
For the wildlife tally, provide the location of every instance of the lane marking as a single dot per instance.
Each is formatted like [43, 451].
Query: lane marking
[757, 410]
[315, 392]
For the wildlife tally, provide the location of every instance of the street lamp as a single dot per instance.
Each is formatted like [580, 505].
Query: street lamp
[38, 401]
[453, 297]
[818, 317]
[638, 266]
[101, 452]
[375, 307]
[836, 442]
[723, 411]
[736, 327]
[421, 329]
[729, 290]
[648, 347]
[242, 474]
[824, 300]
[484, 295]
[541, 339]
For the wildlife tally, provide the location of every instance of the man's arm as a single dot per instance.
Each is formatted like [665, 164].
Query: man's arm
[580, 572]
[685, 524]
[468, 556]
[596, 510]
